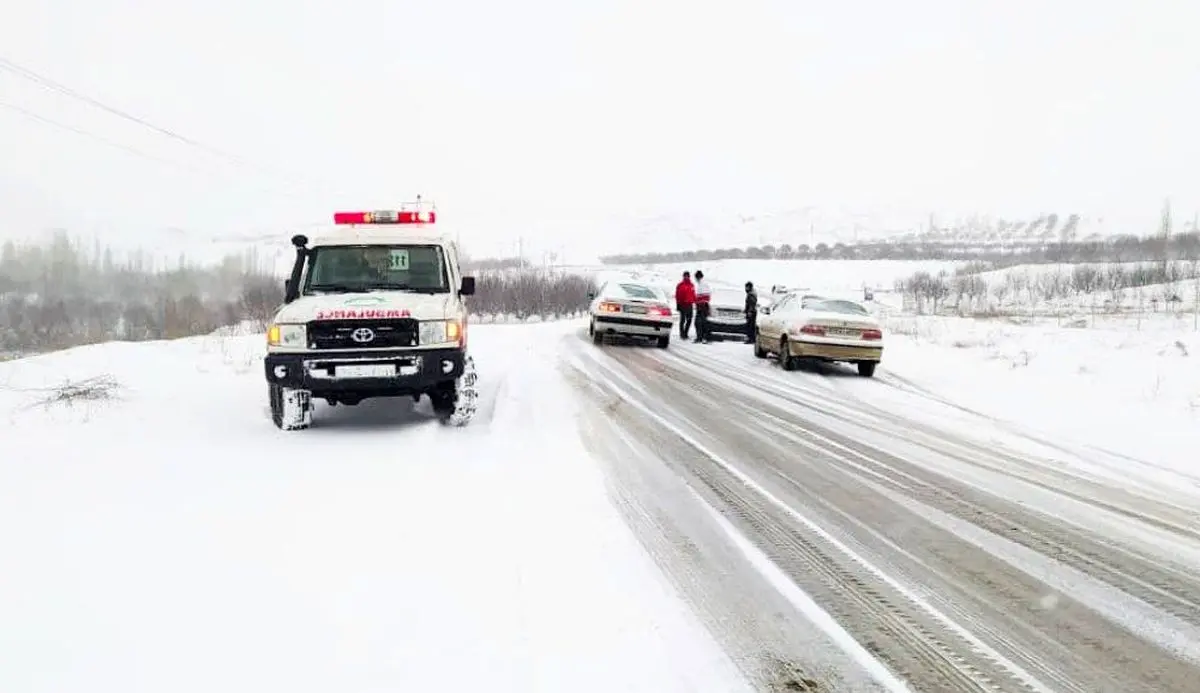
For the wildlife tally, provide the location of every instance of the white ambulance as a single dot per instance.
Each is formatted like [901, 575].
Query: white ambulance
[376, 308]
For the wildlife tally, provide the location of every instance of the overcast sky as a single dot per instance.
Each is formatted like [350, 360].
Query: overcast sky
[586, 109]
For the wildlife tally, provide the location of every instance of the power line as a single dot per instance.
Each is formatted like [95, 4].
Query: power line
[99, 138]
[112, 143]
[6, 64]
[42, 80]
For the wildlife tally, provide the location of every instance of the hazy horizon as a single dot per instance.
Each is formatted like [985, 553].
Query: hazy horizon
[539, 117]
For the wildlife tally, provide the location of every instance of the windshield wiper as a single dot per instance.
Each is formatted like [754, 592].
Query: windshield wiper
[338, 288]
[404, 287]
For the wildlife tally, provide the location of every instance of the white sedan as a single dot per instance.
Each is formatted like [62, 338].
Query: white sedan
[799, 328]
[630, 309]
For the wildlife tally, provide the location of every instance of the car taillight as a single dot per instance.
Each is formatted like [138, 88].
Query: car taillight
[662, 311]
[872, 334]
[816, 330]
[610, 307]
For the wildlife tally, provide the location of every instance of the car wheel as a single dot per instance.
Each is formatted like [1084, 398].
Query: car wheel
[759, 352]
[785, 355]
[597, 337]
[664, 342]
[867, 368]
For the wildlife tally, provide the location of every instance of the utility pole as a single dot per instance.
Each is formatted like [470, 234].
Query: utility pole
[1165, 230]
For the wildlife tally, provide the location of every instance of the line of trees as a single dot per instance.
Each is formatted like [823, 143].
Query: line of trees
[59, 294]
[1124, 248]
[966, 290]
[527, 293]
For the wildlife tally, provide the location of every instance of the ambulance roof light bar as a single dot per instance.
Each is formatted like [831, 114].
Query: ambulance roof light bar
[404, 215]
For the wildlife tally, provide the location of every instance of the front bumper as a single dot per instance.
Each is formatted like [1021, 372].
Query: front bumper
[417, 370]
[834, 352]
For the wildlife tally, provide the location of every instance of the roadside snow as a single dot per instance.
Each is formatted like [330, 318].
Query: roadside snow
[162, 535]
[1107, 385]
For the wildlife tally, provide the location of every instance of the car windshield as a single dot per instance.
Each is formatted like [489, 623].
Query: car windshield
[836, 306]
[358, 268]
[638, 291]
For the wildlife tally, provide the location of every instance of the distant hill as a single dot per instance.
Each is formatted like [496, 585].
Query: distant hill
[665, 237]
[812, 225]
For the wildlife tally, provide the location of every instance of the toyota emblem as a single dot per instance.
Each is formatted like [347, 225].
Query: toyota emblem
[363, 335]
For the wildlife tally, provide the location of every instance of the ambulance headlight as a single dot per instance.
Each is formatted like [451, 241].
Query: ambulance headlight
[439, 331]
[285, 335]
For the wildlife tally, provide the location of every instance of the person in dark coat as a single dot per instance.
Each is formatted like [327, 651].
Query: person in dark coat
[685, 302]
[751, 312]
[703, 300]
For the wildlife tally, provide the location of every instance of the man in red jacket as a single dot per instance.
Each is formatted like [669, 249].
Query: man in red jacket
[685, 301]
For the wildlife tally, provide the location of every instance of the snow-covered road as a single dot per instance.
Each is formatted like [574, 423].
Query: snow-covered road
[616, 519]
[926, 543]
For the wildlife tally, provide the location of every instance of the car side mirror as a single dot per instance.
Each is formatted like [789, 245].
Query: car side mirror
[766, 310]
[591, 295]
[468, 286]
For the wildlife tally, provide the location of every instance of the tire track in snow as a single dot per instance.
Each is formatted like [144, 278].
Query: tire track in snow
[1071, 646]
[775, 650]
[1173, 589]
[897, 624]
[1127, 493]
[1144, 576]
[1177, 515]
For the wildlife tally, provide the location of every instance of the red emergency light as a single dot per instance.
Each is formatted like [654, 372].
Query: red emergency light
[386, 217]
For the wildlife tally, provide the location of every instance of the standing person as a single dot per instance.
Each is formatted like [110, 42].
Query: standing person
[751, 311]
[703, 297]
[685, 301]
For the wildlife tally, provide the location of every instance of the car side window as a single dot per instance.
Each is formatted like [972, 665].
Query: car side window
[785, 305]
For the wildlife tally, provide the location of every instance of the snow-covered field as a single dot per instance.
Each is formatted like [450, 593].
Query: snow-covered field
[1064, 289]
[1105, 382]
[168, 538]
